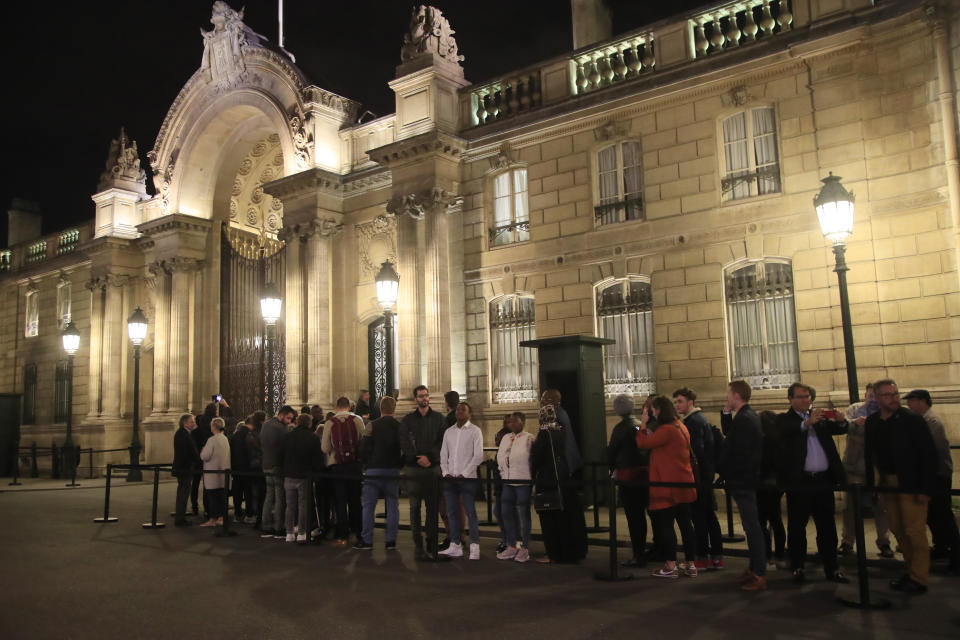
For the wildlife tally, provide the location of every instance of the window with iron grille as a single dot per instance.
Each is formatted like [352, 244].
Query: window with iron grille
[6, 260]
[751, 160]
[511, 217]
[61, 406]
[30, 394]
[625, 314]
[64, 293]
[514, 368]
[761, 324]
[32, 315]
[620, 183]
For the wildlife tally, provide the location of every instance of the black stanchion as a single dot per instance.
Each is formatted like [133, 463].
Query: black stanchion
[91, 462]
[106, 501]
[596, 528]
[433, 523]
[16, 466]
[488, 492]
[153, 524]
[613, 575]
[862, 599]
[34, 469]
[731, 536]
[73, 459]
[55, 461]
[225, 531]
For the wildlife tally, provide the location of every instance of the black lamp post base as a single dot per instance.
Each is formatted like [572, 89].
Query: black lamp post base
[103, 520]
[854, 601]
[733, 538]
[153, 525]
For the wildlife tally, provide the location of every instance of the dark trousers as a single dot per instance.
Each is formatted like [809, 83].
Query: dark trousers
[195, 492]
[241, 490]
[216, 499]
[768, 504]
[705, 523]
[422, 486]
[634, 501]
[943, 526]
[665, 537]
[184, 482]
[565, 532]
[816, 502]
[258, 489]
[347, 496]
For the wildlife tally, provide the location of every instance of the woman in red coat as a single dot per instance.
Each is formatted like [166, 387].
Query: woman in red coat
[669, 447]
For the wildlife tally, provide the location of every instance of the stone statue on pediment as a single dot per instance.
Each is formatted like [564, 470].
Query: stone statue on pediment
[223, 45]
[429, 32]
[123, 165]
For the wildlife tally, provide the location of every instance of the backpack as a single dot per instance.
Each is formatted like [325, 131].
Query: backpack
[344, 437]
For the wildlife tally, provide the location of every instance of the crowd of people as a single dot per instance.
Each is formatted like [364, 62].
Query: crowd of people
[665, 462]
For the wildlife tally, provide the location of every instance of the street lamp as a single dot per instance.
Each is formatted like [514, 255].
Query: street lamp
[137, 330]
[834, 206]
[270, 305]
[388, 286]
[71, 343]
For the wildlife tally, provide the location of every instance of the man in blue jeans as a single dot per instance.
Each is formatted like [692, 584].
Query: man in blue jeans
[740, 470]
[380, 453]
[460, 454]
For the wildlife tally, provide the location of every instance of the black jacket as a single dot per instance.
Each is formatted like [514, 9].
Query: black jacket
[300, 453]
[186, 457]
[381, 449]
[240, 449]
[915, 456]
[742, 449]
[622, 452]
[422, 435]
[701, 441]
[792, 449]
[543, 459]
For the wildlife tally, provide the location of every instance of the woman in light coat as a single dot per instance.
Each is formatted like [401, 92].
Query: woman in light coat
[216, 457]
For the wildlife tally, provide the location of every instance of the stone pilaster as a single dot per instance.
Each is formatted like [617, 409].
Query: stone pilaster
[96, 331]
[181, 302]
[113, 346]
[317, 271]
[293, 319]
[161, 338]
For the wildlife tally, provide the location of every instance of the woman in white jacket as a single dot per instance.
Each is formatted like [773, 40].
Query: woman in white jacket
[513, 458]
[216, 457]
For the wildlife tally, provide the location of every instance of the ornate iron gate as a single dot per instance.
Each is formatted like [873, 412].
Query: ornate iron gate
[377, 360]
[245, 267]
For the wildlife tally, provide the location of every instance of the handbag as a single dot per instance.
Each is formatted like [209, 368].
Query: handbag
[550, 499]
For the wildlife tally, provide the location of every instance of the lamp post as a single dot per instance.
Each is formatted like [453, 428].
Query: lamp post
[137, 331]
[270, 305]
[834, 206]
[388, 286]
[71, 343]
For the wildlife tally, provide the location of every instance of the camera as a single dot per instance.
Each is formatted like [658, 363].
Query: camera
[830, 414]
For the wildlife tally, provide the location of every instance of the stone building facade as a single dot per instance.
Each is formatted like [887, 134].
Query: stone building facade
[655, 188]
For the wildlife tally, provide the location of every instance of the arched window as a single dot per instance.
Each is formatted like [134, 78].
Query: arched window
[625, 314]
[514, 368]
[511, 215]
[619, 183]
[751, 160]
[761, 324]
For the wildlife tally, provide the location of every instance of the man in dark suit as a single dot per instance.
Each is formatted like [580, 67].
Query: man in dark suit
[186, 461]
[809, 469]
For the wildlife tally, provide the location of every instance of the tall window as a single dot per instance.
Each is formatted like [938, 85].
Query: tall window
[514, 368]
[761, 324]
[625, 314]
[511, 214]
[63, 303]
[31, 325]
[752, 166]
[619, 179]
[30, 394]
[60, 388]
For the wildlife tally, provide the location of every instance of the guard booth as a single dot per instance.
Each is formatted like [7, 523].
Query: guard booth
[573, 365]
[9, 431]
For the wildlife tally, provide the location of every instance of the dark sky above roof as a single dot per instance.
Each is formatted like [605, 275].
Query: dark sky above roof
[77, 72]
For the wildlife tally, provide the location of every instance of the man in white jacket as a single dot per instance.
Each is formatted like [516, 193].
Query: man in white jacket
[460, 454]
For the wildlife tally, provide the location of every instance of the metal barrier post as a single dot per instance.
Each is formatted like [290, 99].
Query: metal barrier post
[34, 469]
[225, 531]
[91, 462]
[613, 575]
[16, 466]
[862, 601]
[596, 528]
[488, 492]
[106, 501]
[433, 523]
[153, 524]
[54, 462]
[74, 456]
[731, 536]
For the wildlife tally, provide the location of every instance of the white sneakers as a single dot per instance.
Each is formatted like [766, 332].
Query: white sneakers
[522, 555]
[301, 537]
[455, 550]
[507, 554]
[291, 537]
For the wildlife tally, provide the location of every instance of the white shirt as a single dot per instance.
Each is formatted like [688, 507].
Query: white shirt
[462, 450]
[513, 457]
[816, 461]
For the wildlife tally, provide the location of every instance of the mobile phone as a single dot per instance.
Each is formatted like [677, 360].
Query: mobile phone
[829, 414]
[217, 397]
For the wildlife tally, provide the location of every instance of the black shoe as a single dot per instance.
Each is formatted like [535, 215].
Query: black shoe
[362, 546]
[845, 549]
[634, 562]
[501, 548]
[912, 588]
[897, 585]
[838, 577]
[444, 544]
[799, 576]
[391, 546]
[886, 551]
[196, 511]
[182, 523]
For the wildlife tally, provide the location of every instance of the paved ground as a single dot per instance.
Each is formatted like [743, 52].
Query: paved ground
[63, 576]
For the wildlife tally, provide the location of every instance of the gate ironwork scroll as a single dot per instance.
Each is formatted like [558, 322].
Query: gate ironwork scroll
[377, 360]
[247, 264]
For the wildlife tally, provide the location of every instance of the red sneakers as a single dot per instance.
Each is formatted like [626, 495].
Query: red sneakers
[703, 565]
[717, 564]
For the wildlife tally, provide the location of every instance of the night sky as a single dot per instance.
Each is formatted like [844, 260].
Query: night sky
[77, 72]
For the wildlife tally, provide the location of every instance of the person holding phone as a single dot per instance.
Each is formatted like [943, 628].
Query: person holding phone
[809, 470]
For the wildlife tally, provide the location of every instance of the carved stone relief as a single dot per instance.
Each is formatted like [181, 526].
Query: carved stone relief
[123, 164]
[377, 241]
[429, 32]
[417, 204]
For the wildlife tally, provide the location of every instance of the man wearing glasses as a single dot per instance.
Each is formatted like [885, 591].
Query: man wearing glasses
[901, 450]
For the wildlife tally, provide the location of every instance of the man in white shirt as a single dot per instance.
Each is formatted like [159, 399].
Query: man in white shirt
[513, 458]
[460, 454]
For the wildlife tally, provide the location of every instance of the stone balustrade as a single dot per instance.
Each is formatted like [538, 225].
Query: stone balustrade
[679, 40]
[27, 254]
